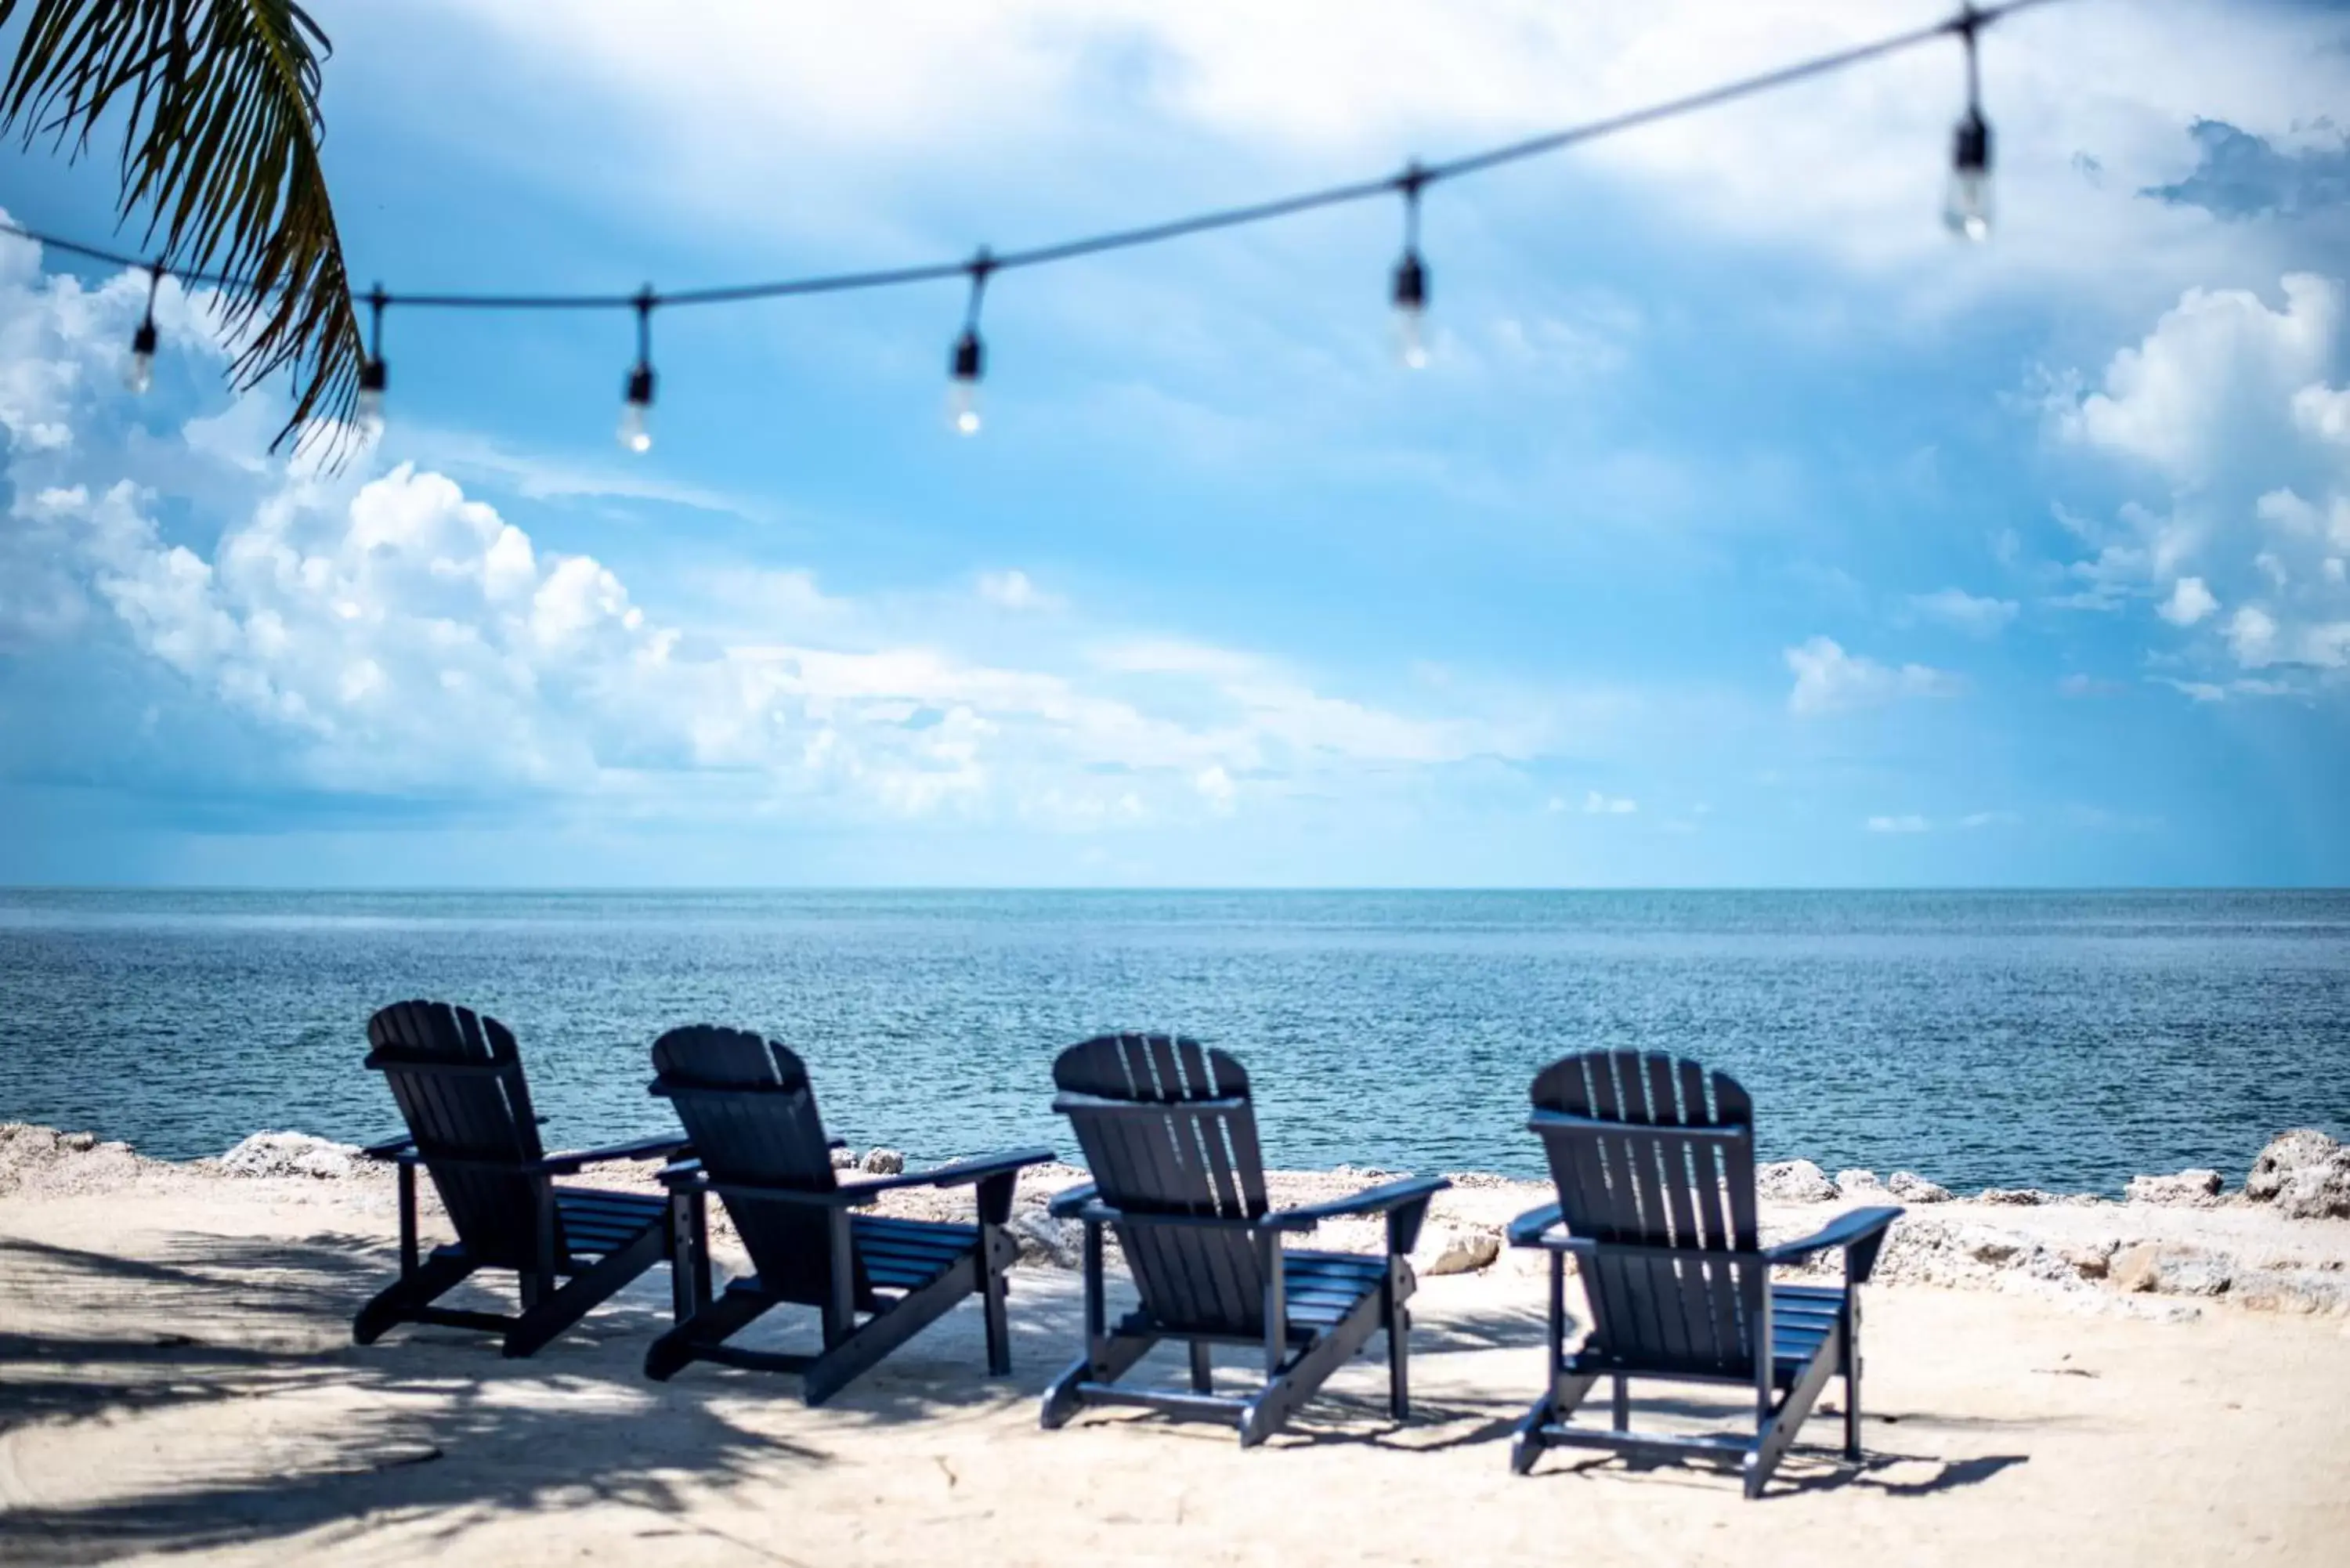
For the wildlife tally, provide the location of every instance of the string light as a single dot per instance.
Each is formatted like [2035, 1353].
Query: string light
[1967, 209]
[138, 372]
[1412, 278]
[636, 409]
[969, 361]
[373, 378]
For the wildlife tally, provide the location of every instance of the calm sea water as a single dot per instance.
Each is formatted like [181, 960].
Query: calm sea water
[2065, 1039]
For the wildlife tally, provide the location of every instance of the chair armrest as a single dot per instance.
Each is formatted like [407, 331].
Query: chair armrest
[1405, 1202]
[679, 1173]
[390, 1149]
[960, 1172]
[994, 1175]
[1533, 1227]
[1860, 1233]
[1065, 1204]
[570, 1164]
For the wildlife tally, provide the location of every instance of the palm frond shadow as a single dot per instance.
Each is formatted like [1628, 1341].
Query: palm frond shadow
[262, 1319]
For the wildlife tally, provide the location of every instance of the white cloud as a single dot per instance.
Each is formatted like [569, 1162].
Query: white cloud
[2226, 402]
[1830, 680]
[389, 633]
[1216, 787]
[2181, 400]
[1597, 804]
[1906, 823]
[1014, 591]
[2189, 603]
[2324, 411]
[1956, 608]
[388, 627]
[1322, 89]
[2252, 634]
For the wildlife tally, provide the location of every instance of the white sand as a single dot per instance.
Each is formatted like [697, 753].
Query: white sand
[176, 1378]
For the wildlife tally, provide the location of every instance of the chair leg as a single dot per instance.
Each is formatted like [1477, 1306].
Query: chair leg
[866, 1344]
[1775, 1430]
[1851, 1373]
[1565, 1397]
[557, 1310]
[1106, 1362]
[431, 1280]
[715, 1323]
[1399, 1363]
[1204, 1372]
[992, 1288]
[1295, 1381]
[1527, 1445]
[1623, 1411]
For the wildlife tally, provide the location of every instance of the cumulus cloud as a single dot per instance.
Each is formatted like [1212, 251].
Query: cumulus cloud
[403, 635]
[1830, 680]
[2185, 399]
[2190, 602]
[390, 633]
[1973, 614]
[2231, 405]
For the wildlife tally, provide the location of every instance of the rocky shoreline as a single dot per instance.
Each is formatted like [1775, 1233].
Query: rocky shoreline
[2175, 1245]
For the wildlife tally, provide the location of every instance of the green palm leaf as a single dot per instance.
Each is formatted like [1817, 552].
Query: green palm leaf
[220, 151]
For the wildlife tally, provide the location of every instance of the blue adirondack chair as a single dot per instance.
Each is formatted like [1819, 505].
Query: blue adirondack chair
[458, 1079]
[758, 1144]
[1654, 1161]
[1170, 1135]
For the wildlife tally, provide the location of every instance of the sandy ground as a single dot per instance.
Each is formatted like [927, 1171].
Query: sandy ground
[176, 1378]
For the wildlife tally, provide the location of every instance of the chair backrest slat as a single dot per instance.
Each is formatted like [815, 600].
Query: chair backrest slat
[750, 1112]
[1656, 1155]
[457, 1078]
[1179, 1137]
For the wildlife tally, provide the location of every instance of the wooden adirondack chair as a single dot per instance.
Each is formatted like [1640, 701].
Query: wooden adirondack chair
[1170, 1135]
[759, 1144]
[1654, 1161]
[458, 1080]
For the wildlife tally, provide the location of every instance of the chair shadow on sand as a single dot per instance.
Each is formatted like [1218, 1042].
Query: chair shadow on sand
[268, 1319]
[1445, 1418]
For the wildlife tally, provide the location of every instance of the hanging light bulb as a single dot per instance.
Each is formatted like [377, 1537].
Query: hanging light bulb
[1966, 208]
[370, 400]
[373, 377]
[962, 386]
[1411, 303]
[1966, 205]
[1411, 278]
[138, 372]
[635, 431]
[969, 361]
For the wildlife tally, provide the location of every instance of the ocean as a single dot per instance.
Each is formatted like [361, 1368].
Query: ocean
[2052, 1039]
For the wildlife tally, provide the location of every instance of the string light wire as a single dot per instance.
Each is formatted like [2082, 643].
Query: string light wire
[1966, 25]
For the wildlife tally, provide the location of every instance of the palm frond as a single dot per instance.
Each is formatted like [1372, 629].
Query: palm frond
[220, 152]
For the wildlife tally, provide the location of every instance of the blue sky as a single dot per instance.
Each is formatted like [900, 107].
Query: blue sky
[1744, 530]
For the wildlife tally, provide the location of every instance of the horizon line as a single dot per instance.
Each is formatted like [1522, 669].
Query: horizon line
[753, 889]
